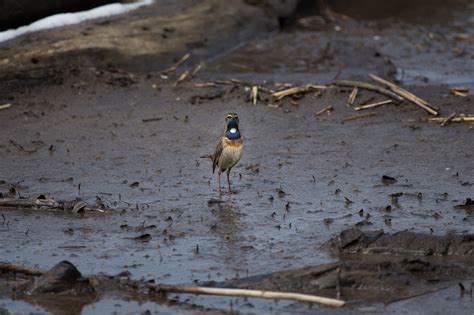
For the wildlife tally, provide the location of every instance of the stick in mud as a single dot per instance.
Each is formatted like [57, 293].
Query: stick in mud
[254, 94]
[298, 89]
[338, 284]
[184, 76]
[151, 119]
[368, 106]
[356, 117]
[13, 268]
[322, 111]
[459, 118]
[177, 64]
[352, 96]
[252, 293]
[407, 95]
[188, 75]
[370, 87]
[448, 119]
[5, 106]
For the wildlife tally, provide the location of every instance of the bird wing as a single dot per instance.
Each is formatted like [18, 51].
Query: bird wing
[217, 155]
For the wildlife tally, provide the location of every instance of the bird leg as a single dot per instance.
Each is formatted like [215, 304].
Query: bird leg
[228, 180]
[219, 176]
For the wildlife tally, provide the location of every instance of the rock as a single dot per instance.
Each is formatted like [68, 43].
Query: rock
[64, 278]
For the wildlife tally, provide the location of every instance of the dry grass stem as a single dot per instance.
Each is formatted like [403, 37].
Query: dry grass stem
[406, 95]
[372, 105]
[252, 293]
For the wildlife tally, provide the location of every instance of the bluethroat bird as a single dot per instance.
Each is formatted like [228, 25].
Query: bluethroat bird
[229, 148]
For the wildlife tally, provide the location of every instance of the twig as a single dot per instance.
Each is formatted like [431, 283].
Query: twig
[188, 75]
[458, 118]
[467, 37]
[352, 96]
[325, 109]
[219, 82]
[298, 89]
[196, 69]
[177, 64]
[204, 84]
[407, 95]
[338, 283]
[182, 78]
[5, 106]
[254, 94]
[370, 87]
[448, 119]
[418, 294]
[8, 267]
[152, 119]
[252, 293]
[359, 116]
[373, 105]
[459, 91]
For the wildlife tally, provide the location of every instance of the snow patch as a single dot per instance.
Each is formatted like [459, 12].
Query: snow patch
[63, 19]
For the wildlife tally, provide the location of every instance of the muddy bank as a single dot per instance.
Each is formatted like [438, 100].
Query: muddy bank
[288, 199]
[379, 267]
[64, 290]
[402, 243]
[148, 39]
[382, 276]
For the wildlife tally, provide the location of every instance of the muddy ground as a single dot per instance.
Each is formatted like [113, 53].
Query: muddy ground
[78, 128]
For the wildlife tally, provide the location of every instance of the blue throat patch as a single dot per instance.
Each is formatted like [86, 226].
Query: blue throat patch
[232, 132]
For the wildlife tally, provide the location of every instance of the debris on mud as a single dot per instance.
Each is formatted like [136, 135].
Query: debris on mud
[369, 280]
[373, 267]
[43, 203]
[402, 243]
[377, 267]
[468, 205]
[388, 180]
[273, 94]
[458, 118]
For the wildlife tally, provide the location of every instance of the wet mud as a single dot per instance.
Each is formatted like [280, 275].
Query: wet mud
[94, 123]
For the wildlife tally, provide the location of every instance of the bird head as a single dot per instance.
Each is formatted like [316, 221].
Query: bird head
[232, 131]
